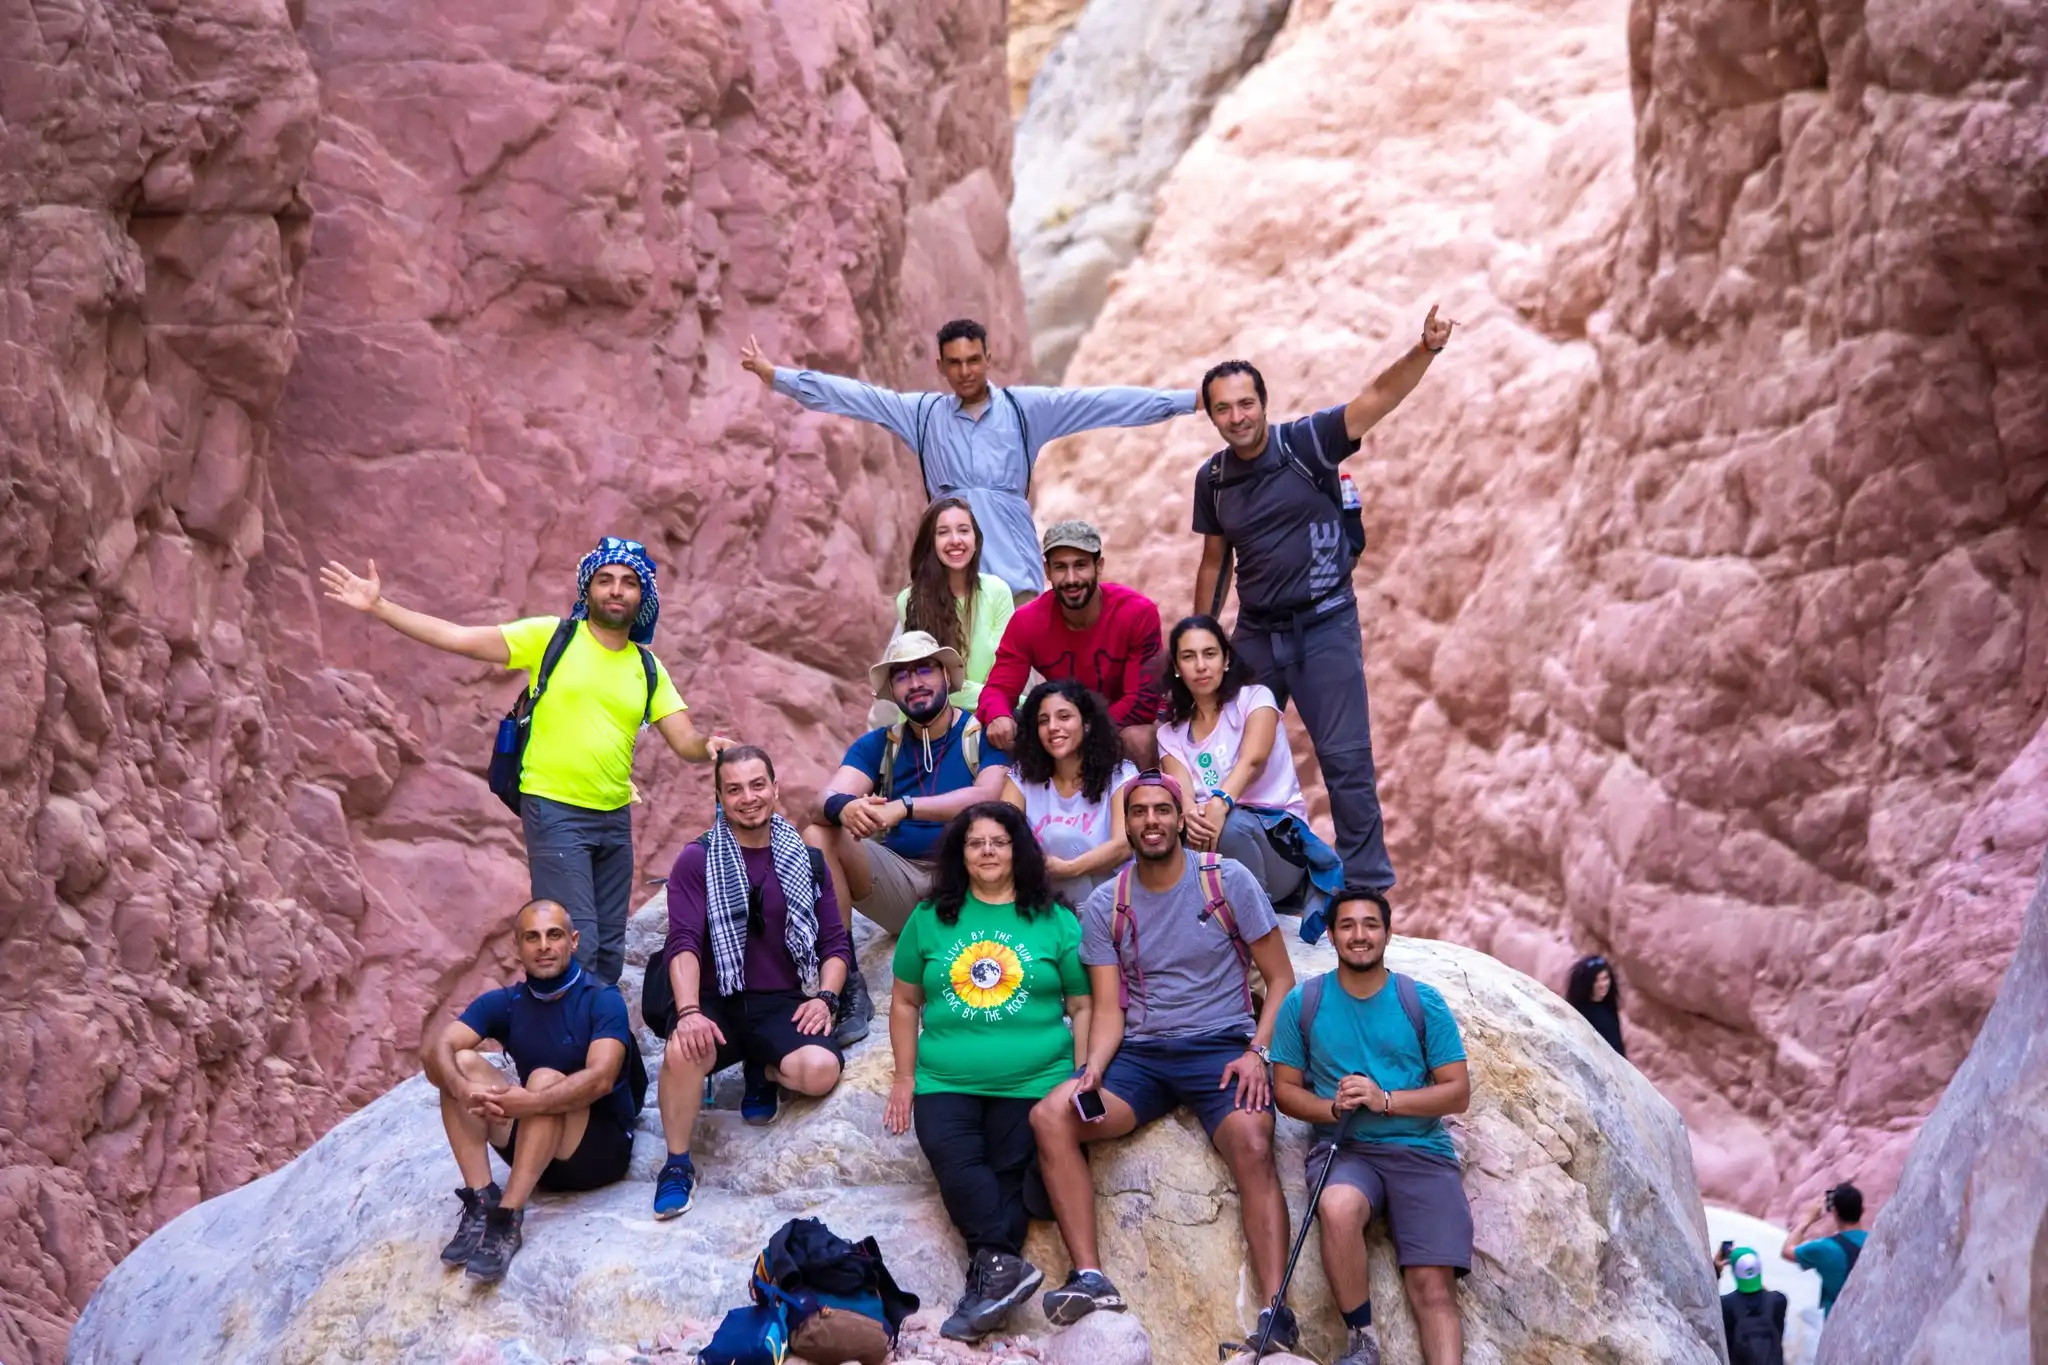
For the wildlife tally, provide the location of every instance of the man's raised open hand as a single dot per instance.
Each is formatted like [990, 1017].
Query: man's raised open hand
[1436, 334]
[344, 587]
[752, 359]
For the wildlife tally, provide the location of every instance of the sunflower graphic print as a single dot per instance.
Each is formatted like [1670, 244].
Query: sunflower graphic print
[986, 974]
[995, 988]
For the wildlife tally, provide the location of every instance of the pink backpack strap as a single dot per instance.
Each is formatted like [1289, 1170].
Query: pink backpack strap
[1121, 926]
[1211, 873]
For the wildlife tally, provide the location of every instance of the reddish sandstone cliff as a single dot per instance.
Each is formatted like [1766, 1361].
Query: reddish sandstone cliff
[457, 287]
[1705, 612]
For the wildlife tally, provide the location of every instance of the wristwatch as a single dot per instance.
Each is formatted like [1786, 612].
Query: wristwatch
[908, 812]
[1264, 1053]
[831, 999]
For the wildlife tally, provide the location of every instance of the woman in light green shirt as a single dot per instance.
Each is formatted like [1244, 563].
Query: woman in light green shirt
[950, 597]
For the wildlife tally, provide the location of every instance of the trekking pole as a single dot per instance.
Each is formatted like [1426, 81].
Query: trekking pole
[1301, 1238]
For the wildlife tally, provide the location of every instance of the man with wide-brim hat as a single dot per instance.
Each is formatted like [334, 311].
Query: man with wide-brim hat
[879, 820]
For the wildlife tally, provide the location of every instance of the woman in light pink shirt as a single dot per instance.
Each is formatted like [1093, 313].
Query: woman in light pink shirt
[1223, 739]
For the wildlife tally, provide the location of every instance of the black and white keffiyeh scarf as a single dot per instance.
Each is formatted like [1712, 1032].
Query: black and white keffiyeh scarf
[725, 902]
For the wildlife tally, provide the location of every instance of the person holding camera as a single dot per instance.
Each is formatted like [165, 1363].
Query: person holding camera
[1831, 1257]
[1171, 939]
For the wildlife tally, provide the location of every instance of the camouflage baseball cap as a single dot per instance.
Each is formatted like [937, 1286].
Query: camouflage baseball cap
[1077, 534]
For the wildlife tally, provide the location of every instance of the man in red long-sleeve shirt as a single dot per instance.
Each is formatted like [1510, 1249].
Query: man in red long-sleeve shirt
[1103, 635]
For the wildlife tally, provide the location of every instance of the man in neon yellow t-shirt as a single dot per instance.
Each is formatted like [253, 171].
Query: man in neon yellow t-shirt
[576, 785]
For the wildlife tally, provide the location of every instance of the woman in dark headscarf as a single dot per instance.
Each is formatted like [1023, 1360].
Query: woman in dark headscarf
[1593, 992]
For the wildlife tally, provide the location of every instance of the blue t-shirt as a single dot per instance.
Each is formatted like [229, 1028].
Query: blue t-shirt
[1825, 1255]
[945, 771]
[1373, 1037]
[558, 1033]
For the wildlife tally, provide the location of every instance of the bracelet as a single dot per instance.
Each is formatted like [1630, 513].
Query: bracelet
[1387, 1107]
[1228, 804]
[1433, 350]
[688, 1010]
[1335, 1117]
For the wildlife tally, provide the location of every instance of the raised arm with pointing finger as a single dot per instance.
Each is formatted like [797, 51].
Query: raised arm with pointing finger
[576, 779]
[974, 440]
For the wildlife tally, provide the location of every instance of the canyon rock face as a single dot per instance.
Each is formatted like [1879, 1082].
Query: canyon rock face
[1036, 27]
[457, 288]
[1116, 103]
[1957, 1265]
[1704, 609]
[1589, 1235]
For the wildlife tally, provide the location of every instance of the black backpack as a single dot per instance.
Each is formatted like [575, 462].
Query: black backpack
[1850, 1251]
[1351, 518]
[508, 754]
[1758, 1336]
[658, 993]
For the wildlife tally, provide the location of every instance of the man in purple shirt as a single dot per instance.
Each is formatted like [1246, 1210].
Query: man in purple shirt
[755, 958]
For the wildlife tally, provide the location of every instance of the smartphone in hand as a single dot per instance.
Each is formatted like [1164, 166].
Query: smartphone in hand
[1088, 1104]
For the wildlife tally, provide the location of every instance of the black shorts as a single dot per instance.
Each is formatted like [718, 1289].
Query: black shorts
[600, 1159]
[758, 1028]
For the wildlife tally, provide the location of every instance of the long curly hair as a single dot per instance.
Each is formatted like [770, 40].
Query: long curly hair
[1237, 673]
[1578, 989]
[1101, 747]
[951, 884]
[931, 606]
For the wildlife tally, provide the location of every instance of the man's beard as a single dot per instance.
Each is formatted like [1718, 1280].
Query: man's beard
[1166, 852]
[1374, 958]
[616, 617]
[1087, 596]
[739, 822]
[925, 712]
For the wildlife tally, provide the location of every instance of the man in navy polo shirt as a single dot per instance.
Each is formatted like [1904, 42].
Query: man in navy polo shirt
[1274, 497]
[568, 1124]
[881, 816]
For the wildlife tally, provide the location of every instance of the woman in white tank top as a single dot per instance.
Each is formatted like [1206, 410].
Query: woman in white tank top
[1222, 739]
[1064, 776]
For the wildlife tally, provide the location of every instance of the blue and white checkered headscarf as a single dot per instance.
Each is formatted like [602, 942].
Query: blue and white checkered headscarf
[632, 554]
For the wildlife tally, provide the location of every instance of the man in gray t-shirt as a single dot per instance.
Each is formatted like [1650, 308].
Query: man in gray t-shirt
[1172, 939]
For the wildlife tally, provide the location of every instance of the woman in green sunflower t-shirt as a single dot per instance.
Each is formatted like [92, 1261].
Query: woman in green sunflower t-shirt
[991, 968]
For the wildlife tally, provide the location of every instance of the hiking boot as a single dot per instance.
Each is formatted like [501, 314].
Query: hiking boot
[761, 1100]
[501, 1241]
[1361, 1347]
[1007, 1282]
[1286, 1334]
[1084, 1292]
[469, 1231]
[856, 1010]
[676, 1187]
[960, 1326]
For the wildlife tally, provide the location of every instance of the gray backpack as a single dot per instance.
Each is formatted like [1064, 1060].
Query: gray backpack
[1404, 991]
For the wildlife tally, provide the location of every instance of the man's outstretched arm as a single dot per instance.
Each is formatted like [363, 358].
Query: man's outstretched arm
[839, 396]
[1052, 413]
[483, 643]
[1398, 380]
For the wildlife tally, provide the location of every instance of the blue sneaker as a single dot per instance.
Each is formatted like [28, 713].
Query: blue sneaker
[762, 1099]
[676, 1187]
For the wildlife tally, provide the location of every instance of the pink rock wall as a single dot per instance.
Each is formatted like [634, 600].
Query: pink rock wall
[1705, 610]
[457, 288]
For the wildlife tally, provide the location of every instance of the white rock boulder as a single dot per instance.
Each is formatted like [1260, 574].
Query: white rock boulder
[1591, 1243]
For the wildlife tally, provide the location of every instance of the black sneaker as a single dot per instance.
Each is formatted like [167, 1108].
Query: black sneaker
[856, 1010]
[501, 1242]
[1286, 1333]
[1082, 1294]
[960, 1326]
[469, 1231]
[1008, 1281]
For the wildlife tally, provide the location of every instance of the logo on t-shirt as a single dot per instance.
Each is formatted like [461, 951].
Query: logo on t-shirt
[987, 977]
[1326, 570]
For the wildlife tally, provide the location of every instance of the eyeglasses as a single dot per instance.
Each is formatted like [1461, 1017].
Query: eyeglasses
[988, 845]
[906, 672]
[1596, 963]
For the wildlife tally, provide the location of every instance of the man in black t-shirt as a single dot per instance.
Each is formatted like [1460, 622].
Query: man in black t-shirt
[1275, 497]
[568, 1124]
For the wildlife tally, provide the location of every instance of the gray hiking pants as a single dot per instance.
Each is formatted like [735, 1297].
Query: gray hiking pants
[584, 859]
[1321, 665]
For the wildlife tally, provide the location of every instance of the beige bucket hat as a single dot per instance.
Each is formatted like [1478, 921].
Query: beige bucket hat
[912, 647]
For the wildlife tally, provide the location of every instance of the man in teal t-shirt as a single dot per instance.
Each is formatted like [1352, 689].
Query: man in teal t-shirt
[1365, 1074]
[1832, 1258]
